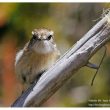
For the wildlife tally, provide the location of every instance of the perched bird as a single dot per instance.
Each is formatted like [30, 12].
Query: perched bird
[38, 55]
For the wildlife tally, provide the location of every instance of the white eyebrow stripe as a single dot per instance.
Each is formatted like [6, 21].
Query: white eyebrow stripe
[32, 32]
[51, 32]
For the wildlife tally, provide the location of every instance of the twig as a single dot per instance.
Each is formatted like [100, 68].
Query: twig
[98, 67]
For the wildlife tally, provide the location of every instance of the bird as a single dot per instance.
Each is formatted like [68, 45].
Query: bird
[36, 57]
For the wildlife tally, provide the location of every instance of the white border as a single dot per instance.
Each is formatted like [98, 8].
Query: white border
[56, 108]
[57, 1]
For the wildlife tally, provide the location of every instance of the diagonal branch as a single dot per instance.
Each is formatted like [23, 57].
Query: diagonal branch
[75, 58]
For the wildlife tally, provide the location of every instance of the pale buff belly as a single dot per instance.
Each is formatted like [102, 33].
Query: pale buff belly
[29, 67]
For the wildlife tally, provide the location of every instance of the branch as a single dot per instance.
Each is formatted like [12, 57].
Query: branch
[75, 58]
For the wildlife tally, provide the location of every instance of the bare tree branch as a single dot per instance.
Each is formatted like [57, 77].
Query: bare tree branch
[77, 57]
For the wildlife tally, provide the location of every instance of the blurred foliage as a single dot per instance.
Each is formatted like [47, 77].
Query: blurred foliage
[70, 21]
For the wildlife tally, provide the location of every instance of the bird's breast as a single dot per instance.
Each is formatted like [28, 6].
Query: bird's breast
[31, 64]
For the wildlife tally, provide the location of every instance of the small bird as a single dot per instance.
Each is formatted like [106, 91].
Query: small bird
[37, 56]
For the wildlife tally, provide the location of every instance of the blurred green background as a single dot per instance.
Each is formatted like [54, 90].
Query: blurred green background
[69, 21]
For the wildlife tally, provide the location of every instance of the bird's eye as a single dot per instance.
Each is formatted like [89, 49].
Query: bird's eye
[49, 37]
[34, 37]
